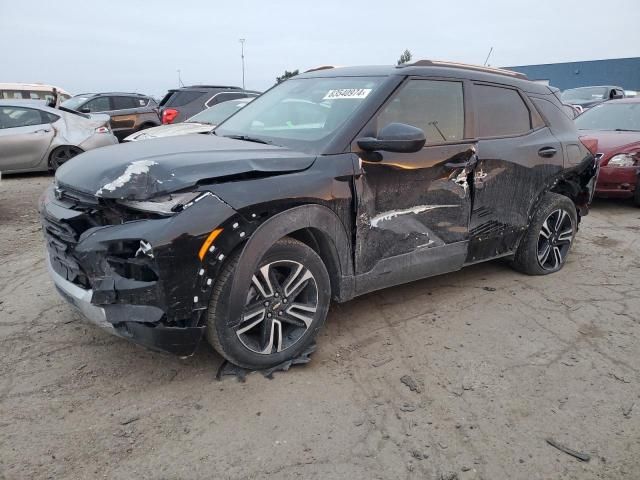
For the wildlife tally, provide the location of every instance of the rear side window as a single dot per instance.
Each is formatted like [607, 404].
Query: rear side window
[434, 106]
[182, 97]
[14, 117]
[124, 103]
[500, 112]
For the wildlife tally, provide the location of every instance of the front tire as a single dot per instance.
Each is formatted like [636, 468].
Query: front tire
[547, 241]
[286, 304]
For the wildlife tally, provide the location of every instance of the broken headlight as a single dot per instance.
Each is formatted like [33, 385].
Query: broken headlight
[623, 160]
[166, 204]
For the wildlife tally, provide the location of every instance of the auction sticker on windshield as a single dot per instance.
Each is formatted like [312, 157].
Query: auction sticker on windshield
[342, 93]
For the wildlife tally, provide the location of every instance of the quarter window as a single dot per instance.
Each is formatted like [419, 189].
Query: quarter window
[501, 112]
[435, 106]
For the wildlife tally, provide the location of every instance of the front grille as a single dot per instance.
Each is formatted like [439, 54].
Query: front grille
[61, 240]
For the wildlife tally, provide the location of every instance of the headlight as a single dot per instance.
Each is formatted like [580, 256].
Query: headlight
[623, 160]
[167, 204]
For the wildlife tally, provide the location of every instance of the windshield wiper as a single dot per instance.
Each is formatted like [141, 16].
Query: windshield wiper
[625, 130]
[247, 138]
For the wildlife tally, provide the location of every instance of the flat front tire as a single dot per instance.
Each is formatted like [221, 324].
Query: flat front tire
[286, 304]
[548, 240]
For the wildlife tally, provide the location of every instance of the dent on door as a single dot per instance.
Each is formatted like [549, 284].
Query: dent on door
[412, 202]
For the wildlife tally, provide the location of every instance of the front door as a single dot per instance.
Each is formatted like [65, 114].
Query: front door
[413, 208]
[25, 137]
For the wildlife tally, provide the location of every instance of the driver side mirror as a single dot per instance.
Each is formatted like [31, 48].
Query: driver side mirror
[85, 110]
[617, 94]
[395, 137]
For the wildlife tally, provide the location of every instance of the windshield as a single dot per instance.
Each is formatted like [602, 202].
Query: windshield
[218, 113]
[586, 94]
[611, 116]
[302, 113]
[74, 102]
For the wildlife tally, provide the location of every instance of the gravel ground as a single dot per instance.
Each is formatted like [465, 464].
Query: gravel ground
[461, 376]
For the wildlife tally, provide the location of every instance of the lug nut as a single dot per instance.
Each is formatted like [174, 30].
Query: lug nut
[269, 315]
[266, 304]
[276, 294]
[279, 314]
[284, 300]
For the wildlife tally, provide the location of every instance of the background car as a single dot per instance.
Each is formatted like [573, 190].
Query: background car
[202, 122]
[587, 97]
[31, 91]
[129, 112]
[36, 137]
[182, 103]
[616, 127]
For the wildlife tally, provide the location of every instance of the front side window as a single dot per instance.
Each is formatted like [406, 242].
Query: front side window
[218, 113]
[500, 112]
[435, 106]
[584, 94]
[303, 113]
[100, 104]
[13, 117]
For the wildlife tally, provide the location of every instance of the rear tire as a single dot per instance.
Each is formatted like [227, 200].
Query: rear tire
[63, 154]
[287, 303]
[636, 196]
[547, 241]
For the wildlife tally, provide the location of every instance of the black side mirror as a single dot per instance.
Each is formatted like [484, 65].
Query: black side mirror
[395, 137]
[85, 110]
[617, 94]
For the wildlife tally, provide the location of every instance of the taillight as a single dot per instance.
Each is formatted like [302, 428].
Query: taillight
[169, 115]
[102, 130]
[591, 144]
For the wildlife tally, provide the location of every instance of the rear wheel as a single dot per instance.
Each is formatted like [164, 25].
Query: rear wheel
[62, 154]
[286, 304]
[546, 244]
[636, 196]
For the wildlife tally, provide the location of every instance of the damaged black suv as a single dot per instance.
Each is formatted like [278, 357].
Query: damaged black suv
[330, 185]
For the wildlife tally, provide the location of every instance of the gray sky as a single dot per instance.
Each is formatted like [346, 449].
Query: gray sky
[89, 46]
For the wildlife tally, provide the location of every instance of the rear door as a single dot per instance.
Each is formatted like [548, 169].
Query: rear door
[123, 114]
[518, 157]
[413, 208]
[25, 136]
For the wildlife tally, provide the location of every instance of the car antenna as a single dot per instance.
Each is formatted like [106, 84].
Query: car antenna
[487, 59]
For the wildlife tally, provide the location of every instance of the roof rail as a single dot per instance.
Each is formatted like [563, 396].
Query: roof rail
[466, 66]
[321, 67]
[213, 86]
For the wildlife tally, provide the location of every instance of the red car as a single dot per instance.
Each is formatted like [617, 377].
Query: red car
[616, 126]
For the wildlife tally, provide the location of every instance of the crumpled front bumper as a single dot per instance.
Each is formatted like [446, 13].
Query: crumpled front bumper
[91, 269]
[181, 341]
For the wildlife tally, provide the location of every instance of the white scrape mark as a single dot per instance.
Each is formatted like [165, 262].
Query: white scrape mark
[384, 216]
[135, 168]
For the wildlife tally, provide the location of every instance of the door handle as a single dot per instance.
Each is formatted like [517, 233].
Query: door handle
[547, 152]
[42, 130]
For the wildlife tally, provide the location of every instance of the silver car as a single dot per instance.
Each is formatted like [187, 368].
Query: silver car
[202, 122]
[36, 137]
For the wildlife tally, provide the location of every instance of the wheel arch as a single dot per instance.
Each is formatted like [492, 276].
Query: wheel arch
[315, 225]
[53, 150]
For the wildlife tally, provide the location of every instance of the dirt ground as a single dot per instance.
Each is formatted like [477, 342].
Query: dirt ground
[497, 362]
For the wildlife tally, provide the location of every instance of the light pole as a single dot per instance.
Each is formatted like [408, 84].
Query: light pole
[242, 40]
[180, 84]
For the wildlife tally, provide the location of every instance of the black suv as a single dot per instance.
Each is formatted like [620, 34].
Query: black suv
[332, 184]
[182, 103]
[129, 112]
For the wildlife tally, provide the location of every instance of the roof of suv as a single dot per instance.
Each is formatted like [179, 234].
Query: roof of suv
[129, 94]
[435, 69]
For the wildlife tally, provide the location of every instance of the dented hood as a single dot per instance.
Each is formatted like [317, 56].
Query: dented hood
[610, 141]
[144, 170]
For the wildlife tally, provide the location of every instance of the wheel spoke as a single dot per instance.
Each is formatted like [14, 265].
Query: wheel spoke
[545, 231]
[296, 282]
[542, 257]
[566, 236]
[253, 317]
[561, 216]
[557, 256]
[298, 311]
[274, 330]
[263, 282]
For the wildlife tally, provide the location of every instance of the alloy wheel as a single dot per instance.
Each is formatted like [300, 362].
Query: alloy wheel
[281, 305]
[554, 240]
[62, 154]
